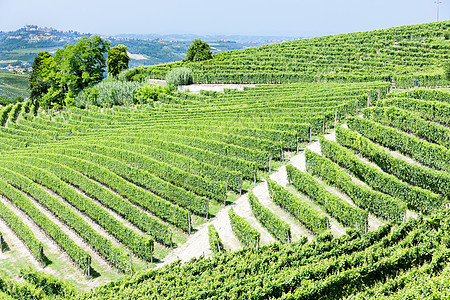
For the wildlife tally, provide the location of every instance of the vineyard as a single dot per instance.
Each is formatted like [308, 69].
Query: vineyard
[288, 191]
[401, 55]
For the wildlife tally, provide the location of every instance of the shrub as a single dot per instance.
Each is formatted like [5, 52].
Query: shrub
[179, 76]
[107, 94]
[147, 92]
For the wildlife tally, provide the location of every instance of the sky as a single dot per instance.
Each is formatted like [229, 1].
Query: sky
[209, 17]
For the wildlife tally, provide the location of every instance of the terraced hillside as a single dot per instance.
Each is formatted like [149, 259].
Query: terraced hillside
[401, 54]
[106, 183]
[379, 161]
[350, 179]
[13, 85]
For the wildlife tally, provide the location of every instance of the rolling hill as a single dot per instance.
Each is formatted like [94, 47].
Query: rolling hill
[334, 187]
[402, 55]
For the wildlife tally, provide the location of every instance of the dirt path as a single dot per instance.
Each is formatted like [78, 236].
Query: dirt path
[198, 243]
[99, 263]
[196, 88]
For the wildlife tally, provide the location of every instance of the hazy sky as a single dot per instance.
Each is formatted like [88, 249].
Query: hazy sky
[262, 17]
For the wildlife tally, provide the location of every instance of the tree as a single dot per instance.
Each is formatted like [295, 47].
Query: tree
[56, 80]
[39, 85]
[198, 51]
[117, 59]
[83, 64]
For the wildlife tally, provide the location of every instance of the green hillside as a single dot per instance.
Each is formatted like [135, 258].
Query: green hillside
[402, 54]
[307, 190]
[13, 85]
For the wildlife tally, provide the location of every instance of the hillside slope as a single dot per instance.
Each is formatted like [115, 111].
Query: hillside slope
[386, 54]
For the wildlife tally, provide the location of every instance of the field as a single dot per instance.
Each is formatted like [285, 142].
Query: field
[401, 55]
[13, 85]
[288, 191]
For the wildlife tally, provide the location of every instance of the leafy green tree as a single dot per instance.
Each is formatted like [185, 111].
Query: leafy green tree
[198, 51]
[39, 85]
[83, 64]
[56, 80]
[117, 59]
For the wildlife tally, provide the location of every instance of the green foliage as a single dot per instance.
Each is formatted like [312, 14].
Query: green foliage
[13, 84]
[198, 51]
[117, 60]
[447, 70]
[39, 83]
[417, 198]
[432, 155]
[49, 284]
[146, 223]
[304, 212]
[278, 228]
[179, 76]
[380, 204]
[23, 232]
[403, 54]
[430, 110]
[215, 243]
[410, 122]
[75, 252]
[56, 80]
[107, 94]
[246, 234]
[338, 208]
[424, 94]
[436, 181]
[147, 93]
[377, 265]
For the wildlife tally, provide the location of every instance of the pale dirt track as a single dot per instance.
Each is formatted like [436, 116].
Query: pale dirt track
[198, 244]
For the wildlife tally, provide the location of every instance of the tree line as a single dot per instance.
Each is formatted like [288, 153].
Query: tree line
[56, 80]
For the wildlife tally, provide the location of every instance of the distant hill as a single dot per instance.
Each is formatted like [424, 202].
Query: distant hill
[415, 51]
[18, 48]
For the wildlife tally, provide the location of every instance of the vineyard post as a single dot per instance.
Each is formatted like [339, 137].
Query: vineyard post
[254, 181]
[328, 224]
[288, 237]
[378, 94]
[151, 255]
[189, 221]
[310, 134]
[335, 118]
[357, 225]
[282, 154]
[225, 197]
[365, 223]
[131, 265]
[240, 188]
[89, 268]
[323, 126]
[1, 243]
[297, 141]
[218, 245]
[41, 254]
[368, 101]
